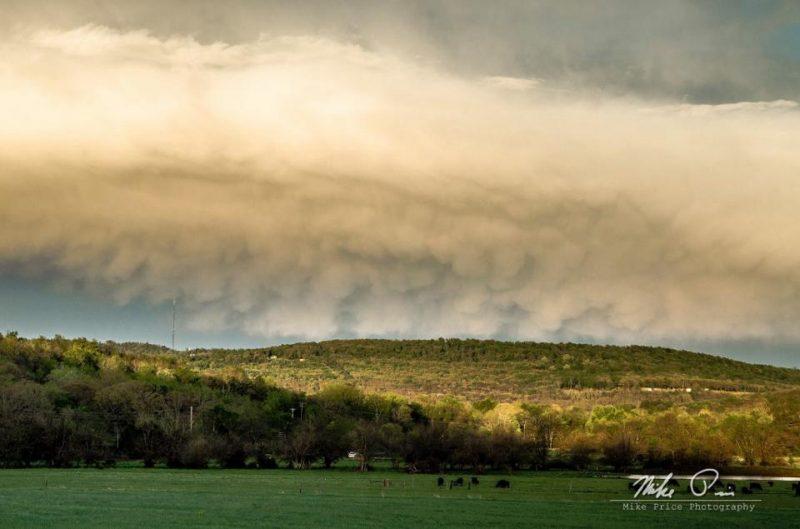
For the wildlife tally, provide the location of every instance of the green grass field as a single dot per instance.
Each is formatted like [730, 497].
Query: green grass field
[160, 498]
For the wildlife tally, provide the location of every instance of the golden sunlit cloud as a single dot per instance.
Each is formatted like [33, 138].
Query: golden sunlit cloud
[311, 188]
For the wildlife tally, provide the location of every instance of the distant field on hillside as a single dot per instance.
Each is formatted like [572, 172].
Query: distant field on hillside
[474, 369]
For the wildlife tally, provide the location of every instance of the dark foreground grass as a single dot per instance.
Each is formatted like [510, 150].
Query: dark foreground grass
[160, 498]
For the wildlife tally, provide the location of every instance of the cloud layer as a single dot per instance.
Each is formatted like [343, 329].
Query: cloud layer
[306, 187]
[701, 52]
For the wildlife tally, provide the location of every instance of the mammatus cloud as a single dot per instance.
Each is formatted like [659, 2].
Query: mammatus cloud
[308, 187]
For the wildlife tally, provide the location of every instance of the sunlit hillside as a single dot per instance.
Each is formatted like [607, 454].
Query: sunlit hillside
[505, 371]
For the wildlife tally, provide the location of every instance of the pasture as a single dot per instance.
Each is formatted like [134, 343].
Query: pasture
[163, 498]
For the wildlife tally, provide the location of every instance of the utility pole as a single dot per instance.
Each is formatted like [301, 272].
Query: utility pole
[173, 323]
[191, 418]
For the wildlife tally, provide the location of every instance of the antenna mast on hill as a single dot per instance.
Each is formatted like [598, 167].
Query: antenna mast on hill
[173, 323]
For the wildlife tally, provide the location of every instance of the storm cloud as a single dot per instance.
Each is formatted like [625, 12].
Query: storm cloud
[699, 52]
[313, 187]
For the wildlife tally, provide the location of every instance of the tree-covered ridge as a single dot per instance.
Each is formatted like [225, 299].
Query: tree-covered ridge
[505, 370]
[70, 402]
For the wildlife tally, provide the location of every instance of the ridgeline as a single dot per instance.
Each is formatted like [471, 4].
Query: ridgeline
[506, 371]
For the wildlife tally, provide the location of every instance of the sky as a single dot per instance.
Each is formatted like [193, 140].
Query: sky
[606, 172]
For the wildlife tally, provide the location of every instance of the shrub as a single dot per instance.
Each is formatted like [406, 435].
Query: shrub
[195, 453]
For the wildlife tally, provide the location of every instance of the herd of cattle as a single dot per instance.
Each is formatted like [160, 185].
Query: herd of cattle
[726, 487]
[473, 482]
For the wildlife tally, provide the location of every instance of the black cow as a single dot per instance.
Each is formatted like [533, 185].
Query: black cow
[459, 482]
[440, 482]
[503, 484]
[755, 486]
[731, 487]
[770, 483]
[745, 490]
[632, 485]
[474, 480]
[796, 488]
[673, 481]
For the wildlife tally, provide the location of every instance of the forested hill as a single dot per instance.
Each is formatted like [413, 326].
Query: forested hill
[467, 404]
[504, 370]
[477, 369]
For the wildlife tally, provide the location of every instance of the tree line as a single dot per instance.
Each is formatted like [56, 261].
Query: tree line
[77, 402]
